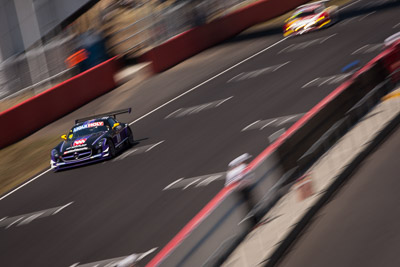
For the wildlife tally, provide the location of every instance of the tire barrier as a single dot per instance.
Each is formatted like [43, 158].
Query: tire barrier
[42, 109]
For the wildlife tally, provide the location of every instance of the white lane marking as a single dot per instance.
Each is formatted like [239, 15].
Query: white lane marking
[359, 49]
[136, 151]
[28, 218]
[172, 184]
[195, 181]
[280, 66]
[349, 5]
[14, 222]
[275, 122]
[235, 77]
[327, 80]
[267, 124]
[208, 180]
[334, 79]
[255, 73]
[363, 17]
[286, 120]
[303, 45]
[276, 134]
[153, 146]
[142, 255]
[224, 100]
[173, 112]
[25, 184]
[286, 48]
[197, 109]
[202, 180]
[310, 82]
[347, 21]
[208, 80]
[128, 153]
[63, 207]
[166, 103]
[125, 261]
[397, 25]
[248, 126]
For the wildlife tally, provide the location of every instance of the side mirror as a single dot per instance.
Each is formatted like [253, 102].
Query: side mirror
[64, 137]
[115, 125]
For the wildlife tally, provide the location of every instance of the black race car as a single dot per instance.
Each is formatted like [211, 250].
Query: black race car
[94, 138]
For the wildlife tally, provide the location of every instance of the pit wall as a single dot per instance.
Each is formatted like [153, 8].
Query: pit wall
[42, 109]
[195, 40]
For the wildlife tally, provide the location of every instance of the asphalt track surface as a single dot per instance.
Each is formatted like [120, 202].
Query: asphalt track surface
[119, 207]
[359, 226]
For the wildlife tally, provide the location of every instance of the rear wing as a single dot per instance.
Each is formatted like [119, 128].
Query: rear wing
[108, 114]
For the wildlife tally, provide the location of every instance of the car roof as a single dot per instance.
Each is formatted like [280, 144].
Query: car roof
[308, 8]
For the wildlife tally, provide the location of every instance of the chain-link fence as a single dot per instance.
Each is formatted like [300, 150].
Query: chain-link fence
[128, 28]
[37, 69]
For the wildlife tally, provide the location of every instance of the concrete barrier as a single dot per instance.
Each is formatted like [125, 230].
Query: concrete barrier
[195, 40]
[44, 108]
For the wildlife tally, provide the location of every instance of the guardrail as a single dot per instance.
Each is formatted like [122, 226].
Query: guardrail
[216, 231]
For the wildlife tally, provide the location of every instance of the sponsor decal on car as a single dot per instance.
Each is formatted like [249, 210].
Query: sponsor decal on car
[79, 142]
[89, 125]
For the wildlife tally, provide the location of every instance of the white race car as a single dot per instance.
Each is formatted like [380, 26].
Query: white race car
[310, 17]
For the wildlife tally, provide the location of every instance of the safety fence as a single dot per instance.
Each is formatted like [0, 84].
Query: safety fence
[209, 238]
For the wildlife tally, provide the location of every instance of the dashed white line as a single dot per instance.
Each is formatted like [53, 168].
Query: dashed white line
[284, 49]
[272, 121]
[30, 218]
[327, 80]
[63, 207]
[208, 80]
[209, 180]
[173, 113]
[288, 119]
[359, 49]
[349, 5]
[172, 184]
[345, 22]
[363, 17]
[195, 181]
[166, 103]
[397, 25]
[234, 78]
[251, 124]
[153, 146]
[224, 100]
[275, 135]
[14, 222]
[310, 82]
[280, 66]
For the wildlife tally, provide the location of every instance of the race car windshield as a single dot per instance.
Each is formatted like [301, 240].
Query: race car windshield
[304, 14]
[87, 129]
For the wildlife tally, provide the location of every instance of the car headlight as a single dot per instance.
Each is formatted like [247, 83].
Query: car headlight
[101, 142]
